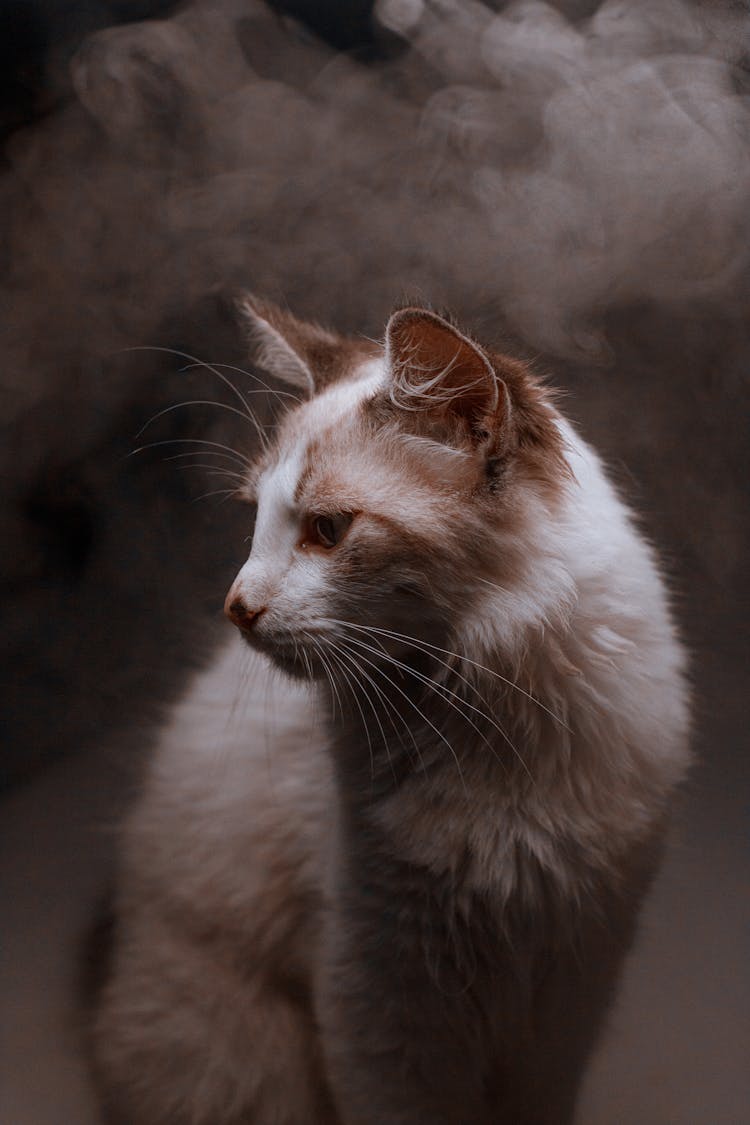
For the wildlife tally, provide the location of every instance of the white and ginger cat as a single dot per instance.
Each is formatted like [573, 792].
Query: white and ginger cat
[400, 889]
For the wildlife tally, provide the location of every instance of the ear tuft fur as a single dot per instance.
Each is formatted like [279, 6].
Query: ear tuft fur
[437, 370]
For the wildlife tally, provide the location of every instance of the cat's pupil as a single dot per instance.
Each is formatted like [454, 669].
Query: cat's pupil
[330, 529]
[325, 530]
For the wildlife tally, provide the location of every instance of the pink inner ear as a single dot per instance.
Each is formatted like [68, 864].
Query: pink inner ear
[433, 362]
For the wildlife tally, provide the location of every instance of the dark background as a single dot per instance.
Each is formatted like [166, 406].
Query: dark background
[574, 180]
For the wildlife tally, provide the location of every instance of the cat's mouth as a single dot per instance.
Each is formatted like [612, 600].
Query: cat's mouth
[290, 655]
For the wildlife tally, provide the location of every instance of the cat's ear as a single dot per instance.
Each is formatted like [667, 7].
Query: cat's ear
[439, 374]
[297, 352]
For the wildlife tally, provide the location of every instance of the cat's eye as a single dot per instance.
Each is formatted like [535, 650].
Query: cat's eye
[327, 531]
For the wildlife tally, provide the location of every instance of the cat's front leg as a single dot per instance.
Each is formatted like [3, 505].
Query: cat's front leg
[403, 1017]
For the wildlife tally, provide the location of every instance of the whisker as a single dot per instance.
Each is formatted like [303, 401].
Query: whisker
[390, 709]
[344, 651]
[426, 718]
[308, 665]
[233, 455]
[328, 670]
[197, 362]
[353, 692]
[199, 402]
[425, 646]
[205, 453]
[445, 692]
[358, 667]
[367, 629]
[250, 375]
[216, 492]
[237, 456]
[210, 467]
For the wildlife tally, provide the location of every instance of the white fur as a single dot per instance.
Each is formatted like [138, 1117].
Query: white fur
[339, 400]
[227, 839]
[275, 570]
[276, 534]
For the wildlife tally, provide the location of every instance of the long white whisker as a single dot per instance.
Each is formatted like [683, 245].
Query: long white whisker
[204, 453]
[344, 651]
[328, 671]
[344, 654]
[209, 466]
[242, 460]
[425, 646]
[216, 470]
[368, 630]
[353, 692]
[390, 709]
[308, 665]
[198, 362]
[250, 375]
[421, 713]
[216, 492]
[199, 402]
[445, 692]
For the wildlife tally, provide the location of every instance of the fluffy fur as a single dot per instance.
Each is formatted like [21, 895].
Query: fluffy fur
[397, 884]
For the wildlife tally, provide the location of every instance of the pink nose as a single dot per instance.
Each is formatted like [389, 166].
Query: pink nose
[239, 614]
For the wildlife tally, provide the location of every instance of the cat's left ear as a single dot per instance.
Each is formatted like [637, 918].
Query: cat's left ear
[440, 375]
[299, 353]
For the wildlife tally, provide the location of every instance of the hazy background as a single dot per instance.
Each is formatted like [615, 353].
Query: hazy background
[573, 179]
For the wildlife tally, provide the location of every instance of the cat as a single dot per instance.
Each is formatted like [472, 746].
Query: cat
[399, 886]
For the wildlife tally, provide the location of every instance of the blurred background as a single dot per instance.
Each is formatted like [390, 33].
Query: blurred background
[572, 178]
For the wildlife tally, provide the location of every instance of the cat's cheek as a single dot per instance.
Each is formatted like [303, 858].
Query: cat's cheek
[305, 595]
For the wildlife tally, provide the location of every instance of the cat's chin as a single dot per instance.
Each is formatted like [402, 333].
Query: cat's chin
[287, 658]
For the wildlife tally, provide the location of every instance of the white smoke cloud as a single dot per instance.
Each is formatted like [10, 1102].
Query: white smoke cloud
[535, 173]
[546, 169]
[540, 171]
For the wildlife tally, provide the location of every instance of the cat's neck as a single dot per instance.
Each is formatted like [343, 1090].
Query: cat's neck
[416, 719]
[496, 774]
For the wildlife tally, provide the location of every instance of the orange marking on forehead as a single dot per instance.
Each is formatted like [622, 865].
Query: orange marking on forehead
[336, 443]
[311, 454]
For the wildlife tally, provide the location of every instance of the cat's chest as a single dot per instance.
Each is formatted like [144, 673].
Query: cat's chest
[480, 841]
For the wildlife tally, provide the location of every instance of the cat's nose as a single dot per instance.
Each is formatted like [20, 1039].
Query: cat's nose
[240, 614]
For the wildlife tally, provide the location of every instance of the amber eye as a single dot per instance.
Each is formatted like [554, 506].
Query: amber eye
[327, 531]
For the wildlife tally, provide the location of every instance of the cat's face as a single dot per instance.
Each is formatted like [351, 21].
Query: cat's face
[378, 504]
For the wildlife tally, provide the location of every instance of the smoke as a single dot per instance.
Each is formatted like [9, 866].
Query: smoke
[551, 170]
[536, 173]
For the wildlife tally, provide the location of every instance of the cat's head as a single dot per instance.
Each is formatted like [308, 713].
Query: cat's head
[398, 495]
